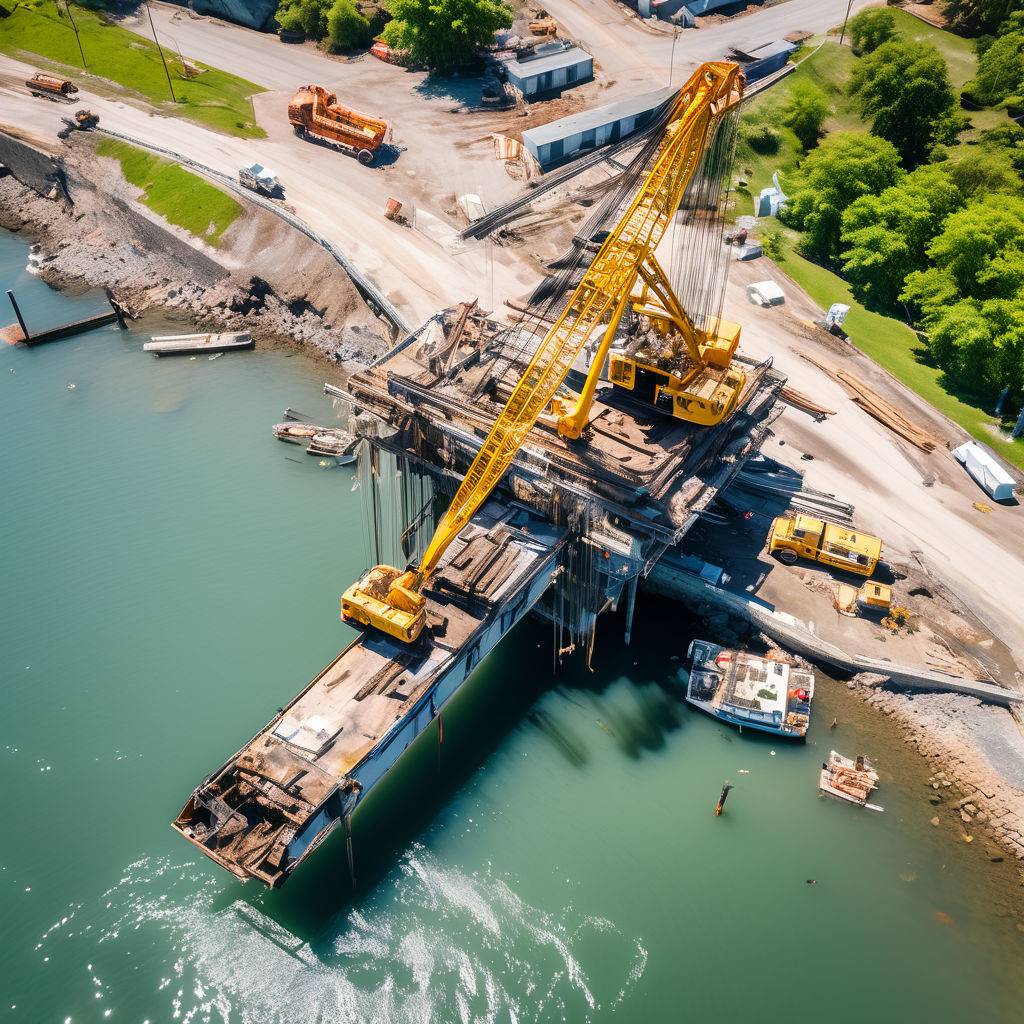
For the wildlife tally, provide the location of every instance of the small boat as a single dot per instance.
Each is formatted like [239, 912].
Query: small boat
[848, 780]
[761, 692]
[296, 433]
[189, 344]
[337, 443]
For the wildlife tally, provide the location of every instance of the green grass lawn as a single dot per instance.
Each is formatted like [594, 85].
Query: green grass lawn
[828, 69]
[182, 198]
[961, 59]
[896, 347]
[214, 98]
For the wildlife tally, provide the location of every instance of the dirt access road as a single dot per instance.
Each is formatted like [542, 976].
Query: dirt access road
[631, 52]
[913, 500]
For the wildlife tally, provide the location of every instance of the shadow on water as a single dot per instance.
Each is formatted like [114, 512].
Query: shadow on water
[504, 694]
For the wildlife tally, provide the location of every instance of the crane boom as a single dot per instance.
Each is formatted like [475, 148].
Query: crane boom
[389, 598]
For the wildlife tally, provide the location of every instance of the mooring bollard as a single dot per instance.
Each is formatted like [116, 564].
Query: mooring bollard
[721, 800]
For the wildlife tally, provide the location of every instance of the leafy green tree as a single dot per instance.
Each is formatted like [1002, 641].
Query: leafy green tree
[846, 166]
[771, 244]
[346, 27]
[975, 16]
[871, 28]
[1000, 71]
[805, 113]
[309, 16]
[984, 170]
[972, 296]
[444, 33]
[886, 236]
[903, 86]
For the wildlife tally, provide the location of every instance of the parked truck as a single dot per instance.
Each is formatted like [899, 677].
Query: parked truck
[50, 86]
[315, 112]
[794, 537]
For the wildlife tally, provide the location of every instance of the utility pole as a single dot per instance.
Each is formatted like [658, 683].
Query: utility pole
[164, 59]
[842, 33]
[78, 38]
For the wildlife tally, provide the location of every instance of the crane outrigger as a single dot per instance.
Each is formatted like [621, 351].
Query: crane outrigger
[692, 378]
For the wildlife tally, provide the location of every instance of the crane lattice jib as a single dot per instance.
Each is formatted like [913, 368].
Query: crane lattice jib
[713, 89]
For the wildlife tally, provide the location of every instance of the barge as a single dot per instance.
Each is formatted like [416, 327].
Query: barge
[193, 344]
[755, 691]
[852, 781]
[267, 808]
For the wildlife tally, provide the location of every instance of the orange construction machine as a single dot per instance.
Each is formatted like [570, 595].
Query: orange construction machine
[41, 84]
[316, 112]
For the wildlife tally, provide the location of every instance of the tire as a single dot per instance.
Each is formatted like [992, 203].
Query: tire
[787, 557]
[365, 157]
[299, 130]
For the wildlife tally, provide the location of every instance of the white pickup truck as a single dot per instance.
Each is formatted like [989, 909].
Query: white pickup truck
[258, 178]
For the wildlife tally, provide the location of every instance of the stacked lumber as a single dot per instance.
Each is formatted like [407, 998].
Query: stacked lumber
[874, 405]
[801, 401]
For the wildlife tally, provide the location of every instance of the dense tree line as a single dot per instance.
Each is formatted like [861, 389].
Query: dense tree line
[439, 34]
[913, 219]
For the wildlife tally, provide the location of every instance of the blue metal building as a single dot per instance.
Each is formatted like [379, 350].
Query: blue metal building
[548, 73]
[761, 61]
[553, 143]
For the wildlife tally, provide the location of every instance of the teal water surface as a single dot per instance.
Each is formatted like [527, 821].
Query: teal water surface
[171, 576]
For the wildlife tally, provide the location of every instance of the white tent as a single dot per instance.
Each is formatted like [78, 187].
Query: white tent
[986, 469]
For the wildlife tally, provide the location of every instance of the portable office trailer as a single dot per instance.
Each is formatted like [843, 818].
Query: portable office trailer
[547, 74]
[558, 141]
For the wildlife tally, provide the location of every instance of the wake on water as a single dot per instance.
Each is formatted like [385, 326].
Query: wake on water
[430, 944]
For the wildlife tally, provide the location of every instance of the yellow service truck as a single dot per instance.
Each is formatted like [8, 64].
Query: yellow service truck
[794, 537]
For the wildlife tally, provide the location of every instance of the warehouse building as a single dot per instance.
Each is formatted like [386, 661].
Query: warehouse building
[548, 71]
[558, 141]
[764, 60]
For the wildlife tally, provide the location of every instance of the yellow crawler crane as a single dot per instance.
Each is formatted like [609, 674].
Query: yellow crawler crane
[703, 389]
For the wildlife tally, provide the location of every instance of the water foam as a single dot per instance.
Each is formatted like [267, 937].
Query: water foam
[437, 945]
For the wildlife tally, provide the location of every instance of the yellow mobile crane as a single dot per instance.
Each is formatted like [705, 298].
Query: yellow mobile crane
[695, 380]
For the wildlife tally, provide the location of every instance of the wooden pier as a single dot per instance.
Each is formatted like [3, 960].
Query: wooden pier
[117, 314]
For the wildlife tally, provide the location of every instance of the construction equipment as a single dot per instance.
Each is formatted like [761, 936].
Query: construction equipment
[543, 27]
[50, 86]
[694, 375]
[316, 113]
[82, 121]
[795, 537]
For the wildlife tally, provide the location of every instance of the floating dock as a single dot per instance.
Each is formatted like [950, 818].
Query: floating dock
[193, 344]
[117, 314]
[275, 801]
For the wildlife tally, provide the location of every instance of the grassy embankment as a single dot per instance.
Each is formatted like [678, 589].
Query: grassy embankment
[214, 98]
[181, 198]
[887, 340]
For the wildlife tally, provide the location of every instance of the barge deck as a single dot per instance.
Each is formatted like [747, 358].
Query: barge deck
[267, 808]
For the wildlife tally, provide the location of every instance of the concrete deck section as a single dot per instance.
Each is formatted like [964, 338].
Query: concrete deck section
[277, 799]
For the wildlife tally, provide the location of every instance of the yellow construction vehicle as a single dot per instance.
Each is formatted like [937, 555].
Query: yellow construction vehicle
[694, 378]
[795, 537]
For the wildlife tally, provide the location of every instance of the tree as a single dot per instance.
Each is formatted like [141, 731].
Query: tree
[1000, 71]
[309, 16]
[904, 88]
[806, 112]
[871, 28]
[346, 27]
[976, 16]
[886, 236]
[984, 170]
[846, 166]
[972, 297]
[444, 33]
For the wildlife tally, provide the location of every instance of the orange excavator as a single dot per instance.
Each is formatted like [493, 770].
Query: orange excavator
[316, 112]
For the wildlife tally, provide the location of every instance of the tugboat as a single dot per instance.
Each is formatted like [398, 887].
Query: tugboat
[758, 691]
[848, 780]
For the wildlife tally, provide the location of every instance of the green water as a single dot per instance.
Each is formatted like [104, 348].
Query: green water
[170, 576]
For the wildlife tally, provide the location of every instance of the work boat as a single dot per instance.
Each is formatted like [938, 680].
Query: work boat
[759, 692]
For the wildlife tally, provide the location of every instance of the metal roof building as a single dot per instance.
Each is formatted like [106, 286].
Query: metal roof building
[558, 141]
[766, 59]
[550, 73]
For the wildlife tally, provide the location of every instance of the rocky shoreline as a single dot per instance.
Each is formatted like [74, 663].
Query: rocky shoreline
[265, 277]
[968, 747]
